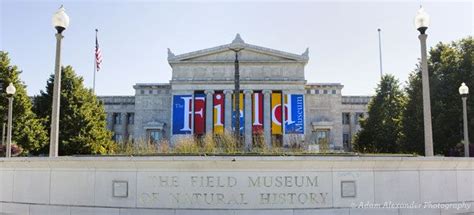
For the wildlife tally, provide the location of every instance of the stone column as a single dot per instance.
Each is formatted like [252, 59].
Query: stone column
[209, 110]
[110, 121]
[228, 110]
[248, 118]
[283, 119]
[124, 127]
[172, 137]
[267, 124]
[352, 120]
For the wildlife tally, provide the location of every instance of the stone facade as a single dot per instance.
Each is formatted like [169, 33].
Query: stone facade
[262, 70]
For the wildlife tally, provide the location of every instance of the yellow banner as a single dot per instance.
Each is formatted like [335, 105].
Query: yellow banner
[276, 113]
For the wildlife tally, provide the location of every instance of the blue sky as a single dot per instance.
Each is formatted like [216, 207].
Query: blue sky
[134, 35]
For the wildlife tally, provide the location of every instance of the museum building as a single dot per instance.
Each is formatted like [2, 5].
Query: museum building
[275, 101]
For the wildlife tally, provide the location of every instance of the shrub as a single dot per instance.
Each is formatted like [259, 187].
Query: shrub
[16, 150]
[227, 143]
[164, 146]
[186, 145]
[208, 144]
[139, 147]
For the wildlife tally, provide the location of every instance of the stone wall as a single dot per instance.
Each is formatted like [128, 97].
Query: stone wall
[354, 105]
[122, 105]
[235, 185]
[152, 109]
[323, 108]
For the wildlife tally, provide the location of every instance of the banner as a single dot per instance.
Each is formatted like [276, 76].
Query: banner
[294, 114]
[199, 113]
[182, 114]
[218, 119]
[276, 113]
[241, 110]
[257, 113]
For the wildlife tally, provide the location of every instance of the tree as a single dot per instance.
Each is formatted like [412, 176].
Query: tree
[449, 65]
[381, 131]
[82, 117]
[412, 140]
[28, 131]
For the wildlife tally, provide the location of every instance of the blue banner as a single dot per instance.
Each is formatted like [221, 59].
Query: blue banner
[241, 109]
[182, 114]
[242, 121]
[294, 109]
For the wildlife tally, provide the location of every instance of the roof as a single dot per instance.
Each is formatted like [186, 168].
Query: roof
[237, 44]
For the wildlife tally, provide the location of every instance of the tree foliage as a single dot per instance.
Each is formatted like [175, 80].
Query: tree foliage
[412, 140]
[28, 131]
[381, 131]
[82, 121]
[449, 65]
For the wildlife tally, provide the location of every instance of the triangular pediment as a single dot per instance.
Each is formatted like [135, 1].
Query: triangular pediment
[248, 53]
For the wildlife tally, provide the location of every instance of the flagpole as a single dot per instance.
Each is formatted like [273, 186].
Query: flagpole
[380, 52]
[95, 61]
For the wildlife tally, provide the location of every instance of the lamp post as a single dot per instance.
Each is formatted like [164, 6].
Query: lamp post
[422, 21]
[10, 92]
[237, 46]
[464, 91]
[60, 23]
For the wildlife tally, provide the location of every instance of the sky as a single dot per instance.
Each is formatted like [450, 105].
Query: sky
[134, 36]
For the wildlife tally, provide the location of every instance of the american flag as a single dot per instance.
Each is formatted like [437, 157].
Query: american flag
[98, 53]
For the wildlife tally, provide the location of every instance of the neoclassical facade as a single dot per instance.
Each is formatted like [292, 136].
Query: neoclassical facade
[276, 102]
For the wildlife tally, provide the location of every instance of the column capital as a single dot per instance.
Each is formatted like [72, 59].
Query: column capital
[248, 92]
[267, 92]
[209, 92]
[228, 91]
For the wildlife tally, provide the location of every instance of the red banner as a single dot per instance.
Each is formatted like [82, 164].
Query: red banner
[218, 118]
[257, 113]
[199, 114]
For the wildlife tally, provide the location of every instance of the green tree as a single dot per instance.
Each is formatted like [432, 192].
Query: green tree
[381, 131]
[449, 65]
[28, 131]
[82, 117]
[412, 140]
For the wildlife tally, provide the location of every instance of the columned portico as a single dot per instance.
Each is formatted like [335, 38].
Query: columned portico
[265, 71]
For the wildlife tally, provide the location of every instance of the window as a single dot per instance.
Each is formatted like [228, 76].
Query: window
[333, 91]
[345, 140]
[118, 138]
[130, 118]
[317, 91]
[142, 92]
[117, 118]
[358, 117]
[325, 91]
[154, 136]
[321, 138]
[346, 118]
